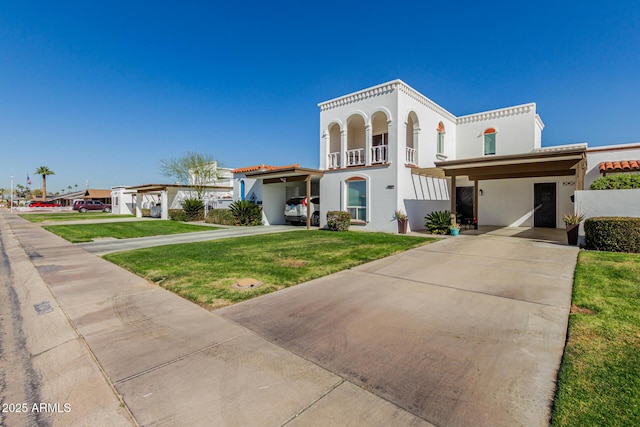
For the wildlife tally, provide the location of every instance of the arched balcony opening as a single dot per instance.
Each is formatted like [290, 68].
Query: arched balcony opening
[379, 138]
[411, 138]
[356, 137]
[334, 146]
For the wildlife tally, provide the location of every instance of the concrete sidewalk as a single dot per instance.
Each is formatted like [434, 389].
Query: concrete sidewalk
[466, 331]
[174, 363]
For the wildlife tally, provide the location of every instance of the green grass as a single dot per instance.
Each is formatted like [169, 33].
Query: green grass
[78, 233]
[71, 216]
[599, 381]
[204, 272]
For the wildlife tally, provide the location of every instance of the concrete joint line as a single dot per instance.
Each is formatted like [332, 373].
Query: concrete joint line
[457, 289]
[301, 411]
[486, 257]
[177, 359]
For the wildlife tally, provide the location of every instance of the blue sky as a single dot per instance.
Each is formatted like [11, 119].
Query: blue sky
[102, 90]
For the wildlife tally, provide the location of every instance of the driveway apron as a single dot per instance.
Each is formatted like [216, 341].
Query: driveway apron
[466, 331]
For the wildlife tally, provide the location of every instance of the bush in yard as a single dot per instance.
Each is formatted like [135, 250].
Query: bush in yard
[220, 216]
[246, 212]
[178, 215]
[338, 220]
[146, 213]
[614, 234]
[438, 222]
[194, 209]
[616, 182]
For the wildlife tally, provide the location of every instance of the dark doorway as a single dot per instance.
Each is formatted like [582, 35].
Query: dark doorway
[464, 204]
[544, 200]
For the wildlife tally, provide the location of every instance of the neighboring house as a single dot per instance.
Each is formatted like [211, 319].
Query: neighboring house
[389, 148]
[159, 198]
[67, 199]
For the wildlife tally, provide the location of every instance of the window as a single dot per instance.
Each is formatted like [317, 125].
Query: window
[440, 138]
[489, 141]
[357, 199]
[382, 139]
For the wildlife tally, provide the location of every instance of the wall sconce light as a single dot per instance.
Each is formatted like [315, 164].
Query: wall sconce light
[390, 187]
[481, 192]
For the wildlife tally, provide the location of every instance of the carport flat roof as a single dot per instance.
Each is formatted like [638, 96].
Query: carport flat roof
[548, 162]
[160, 187]
[288, 174]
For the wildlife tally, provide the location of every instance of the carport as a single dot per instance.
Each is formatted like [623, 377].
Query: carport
[280, 177]
[549, 162]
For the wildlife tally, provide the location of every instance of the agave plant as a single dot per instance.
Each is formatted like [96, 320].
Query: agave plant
[438, 222]
[246, 212]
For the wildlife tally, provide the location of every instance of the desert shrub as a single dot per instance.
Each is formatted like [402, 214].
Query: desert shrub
[246, 212]
[193, 209]
[338, 220]
[178, 215]
[438, 222]
[616, 182]
[614, 234]
[220, 216]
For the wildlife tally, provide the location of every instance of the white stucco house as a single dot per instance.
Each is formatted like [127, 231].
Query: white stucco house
[389, 148]
[160, 198]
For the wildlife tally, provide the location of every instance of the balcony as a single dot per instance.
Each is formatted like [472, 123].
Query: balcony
[355, 157]
[411, 156]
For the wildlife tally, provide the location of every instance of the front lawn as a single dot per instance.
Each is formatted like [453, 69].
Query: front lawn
[599, 381]
[78, 233]
[70, 216]
[205, 272]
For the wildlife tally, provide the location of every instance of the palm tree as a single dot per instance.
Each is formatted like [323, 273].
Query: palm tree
[44, 171]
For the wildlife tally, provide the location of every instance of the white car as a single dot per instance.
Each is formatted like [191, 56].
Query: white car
[295, 210]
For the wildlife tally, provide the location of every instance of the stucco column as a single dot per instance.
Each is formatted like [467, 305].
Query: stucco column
[324, 152]
[342, 163]
[392, 144]
[416, 136]
[368, 143]
[139, 197]
[164, 203]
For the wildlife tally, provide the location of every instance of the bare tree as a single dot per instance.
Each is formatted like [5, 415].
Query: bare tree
[194, 169]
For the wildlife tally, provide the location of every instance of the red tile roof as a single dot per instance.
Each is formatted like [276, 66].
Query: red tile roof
[620, 166]
[263, 168]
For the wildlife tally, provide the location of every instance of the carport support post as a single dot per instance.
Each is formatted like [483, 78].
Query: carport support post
[308, 181]
[475, 202]
[453, 200]
[164, 204]
[139, 198]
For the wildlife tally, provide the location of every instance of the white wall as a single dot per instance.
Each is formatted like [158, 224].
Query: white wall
[509, 202]
[592, 203]
[273, 204]
[123, 202]
[515, 131]
[604, 154]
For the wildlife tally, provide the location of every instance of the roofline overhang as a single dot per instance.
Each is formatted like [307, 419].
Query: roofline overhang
[162, 187]
[283, 173]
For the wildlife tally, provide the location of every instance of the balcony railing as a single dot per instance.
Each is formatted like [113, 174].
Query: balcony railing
[411, 156]
[355, 157]
[379, 154]
[334, 161]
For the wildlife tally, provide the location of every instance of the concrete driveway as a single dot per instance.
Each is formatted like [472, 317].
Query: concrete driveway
[467, 331]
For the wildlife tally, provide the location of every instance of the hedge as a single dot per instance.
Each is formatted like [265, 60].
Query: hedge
[178, 215]
[613, 234]
[338, 220]
[616, 182]
[220, 216]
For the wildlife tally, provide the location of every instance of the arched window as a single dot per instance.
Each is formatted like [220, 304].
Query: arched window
[489, 141]
[440, 138]
[357, 199]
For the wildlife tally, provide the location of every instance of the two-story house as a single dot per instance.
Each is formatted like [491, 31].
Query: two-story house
[389, 148]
